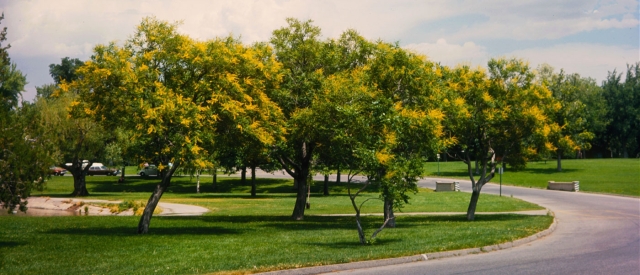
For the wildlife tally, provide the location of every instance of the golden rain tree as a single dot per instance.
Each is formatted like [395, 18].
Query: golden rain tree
[243, 148]
[411, 83]
[358, 129]
[306, 66]
[571, 114]
[311, 65]
[176, 95]
[497, 115]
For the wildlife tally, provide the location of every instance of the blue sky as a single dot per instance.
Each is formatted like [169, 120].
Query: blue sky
[580, 36]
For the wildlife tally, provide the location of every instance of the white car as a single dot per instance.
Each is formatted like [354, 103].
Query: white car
[150, 170]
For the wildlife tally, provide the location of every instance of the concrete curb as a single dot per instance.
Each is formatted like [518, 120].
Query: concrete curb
[419, 257]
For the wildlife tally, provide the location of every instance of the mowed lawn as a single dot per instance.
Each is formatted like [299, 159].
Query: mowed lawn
[613, 176]
[242, 234]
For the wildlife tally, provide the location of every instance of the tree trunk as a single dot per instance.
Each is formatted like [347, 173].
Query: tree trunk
[215, 179]
[243, 175]
[124, 167]
[388, 214]
[338, 176]
[198, 181]
[79, 178]
[471, 211]
[152, 203]
[253, 181]
[79, 184]
[300, 174]
[559, 161]
[301, 196]
[326, 185]
[363, 239]
[477, 168]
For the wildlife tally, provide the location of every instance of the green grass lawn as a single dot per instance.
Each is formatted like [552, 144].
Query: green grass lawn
[196, 245]
[232, 198]
[241, 233]
[614, 176]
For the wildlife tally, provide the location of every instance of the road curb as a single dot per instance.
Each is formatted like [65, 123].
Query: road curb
[419, 257]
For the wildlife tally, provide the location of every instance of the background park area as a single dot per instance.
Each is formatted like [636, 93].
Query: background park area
[244, 234]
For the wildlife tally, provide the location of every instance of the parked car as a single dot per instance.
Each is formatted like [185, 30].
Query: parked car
[102, 170]
[150, 170]
[57, 171]
[84, 163]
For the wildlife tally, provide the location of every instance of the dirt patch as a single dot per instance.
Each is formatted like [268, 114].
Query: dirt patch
[68, 206]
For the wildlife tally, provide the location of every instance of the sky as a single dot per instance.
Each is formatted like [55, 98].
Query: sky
[588, 37]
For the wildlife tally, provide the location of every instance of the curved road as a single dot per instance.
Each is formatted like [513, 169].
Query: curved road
[595, 234]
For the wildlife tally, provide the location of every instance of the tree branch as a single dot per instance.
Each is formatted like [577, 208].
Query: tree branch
[381, 227]
[286, 166]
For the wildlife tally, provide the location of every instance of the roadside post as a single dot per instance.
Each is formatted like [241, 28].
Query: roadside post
[438, 156]
[500, 171]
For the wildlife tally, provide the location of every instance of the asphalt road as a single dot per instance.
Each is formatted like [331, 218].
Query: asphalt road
[595, 234]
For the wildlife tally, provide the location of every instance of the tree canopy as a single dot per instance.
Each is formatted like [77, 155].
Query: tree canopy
[623, 100]
[176, 94]
[569, 91]
[25, 147]
[66, 70]
[501, 114]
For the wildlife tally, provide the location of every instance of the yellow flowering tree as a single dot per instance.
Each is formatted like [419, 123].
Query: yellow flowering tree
[299, 49]
[177, 95]
[412, 84]
[253, 148]
[570, 113]
[502, 114]
[357, 132]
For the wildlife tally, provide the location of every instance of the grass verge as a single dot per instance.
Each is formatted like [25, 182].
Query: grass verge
[251, 243]
[613, 176]
[243, 234]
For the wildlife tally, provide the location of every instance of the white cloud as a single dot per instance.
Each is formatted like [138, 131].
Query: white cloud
[588, 60]
[452, 54]
[531, 20]
[42, 31]
[585, 59]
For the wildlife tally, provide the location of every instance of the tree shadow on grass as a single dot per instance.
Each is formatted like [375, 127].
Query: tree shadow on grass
[153, 230]
[355, 243]
[187, 185]
[11, 244]
[249, 224]
[284, 223]
[454, 174]
[463, 218]
[258, 196]
[550, 171]
[242, 196]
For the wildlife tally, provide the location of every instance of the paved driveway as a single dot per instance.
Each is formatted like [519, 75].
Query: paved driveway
[595, 234]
